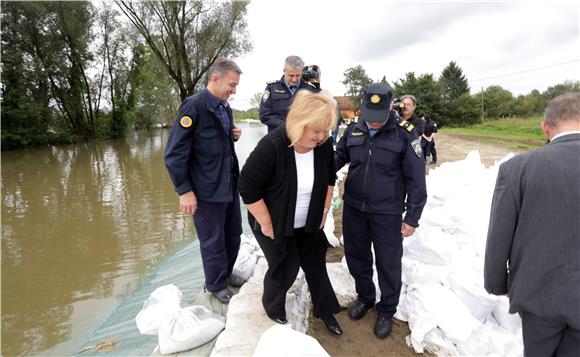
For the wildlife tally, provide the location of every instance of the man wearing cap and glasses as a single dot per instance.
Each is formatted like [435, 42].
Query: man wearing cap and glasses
[386, 178]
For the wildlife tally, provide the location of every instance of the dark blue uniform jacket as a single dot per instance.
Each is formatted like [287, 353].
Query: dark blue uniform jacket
[276, 101]
[201, 158]
[385, 171]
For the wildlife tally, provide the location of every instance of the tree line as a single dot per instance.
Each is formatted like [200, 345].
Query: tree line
[448, 101]
[79, 71]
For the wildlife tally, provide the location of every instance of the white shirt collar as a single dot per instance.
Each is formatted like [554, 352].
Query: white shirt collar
[565, 133]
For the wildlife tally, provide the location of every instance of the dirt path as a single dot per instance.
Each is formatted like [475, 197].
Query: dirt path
[358, 338]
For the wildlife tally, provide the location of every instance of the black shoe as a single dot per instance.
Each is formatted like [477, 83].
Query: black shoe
[358, 310]
[280, 320]
[224, 295]
[332, 325]
[235, 281]
[383, 327]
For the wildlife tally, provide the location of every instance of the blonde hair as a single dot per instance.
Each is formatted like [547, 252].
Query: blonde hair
[317, 110]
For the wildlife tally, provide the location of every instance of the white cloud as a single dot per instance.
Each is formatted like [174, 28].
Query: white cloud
[391, 38]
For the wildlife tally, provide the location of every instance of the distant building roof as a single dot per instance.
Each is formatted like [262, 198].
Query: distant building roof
[344, 102]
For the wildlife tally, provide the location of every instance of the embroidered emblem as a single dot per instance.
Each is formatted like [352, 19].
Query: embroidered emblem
[416, 144]
[265, 95]
[185, 122]
[375, 99]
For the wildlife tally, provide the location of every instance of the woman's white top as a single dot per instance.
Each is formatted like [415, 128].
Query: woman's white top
[305, 176]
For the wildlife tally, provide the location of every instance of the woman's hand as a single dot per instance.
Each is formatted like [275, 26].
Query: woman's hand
[324, 214]
[268, 230]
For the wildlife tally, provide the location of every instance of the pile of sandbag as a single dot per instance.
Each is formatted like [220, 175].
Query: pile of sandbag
[442, 298]
[178, 329]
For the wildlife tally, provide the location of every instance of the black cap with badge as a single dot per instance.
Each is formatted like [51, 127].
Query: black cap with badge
[376, 102]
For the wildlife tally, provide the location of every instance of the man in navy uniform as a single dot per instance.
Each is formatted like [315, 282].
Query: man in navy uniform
[386, 177]
[203, 166]
[278, 94]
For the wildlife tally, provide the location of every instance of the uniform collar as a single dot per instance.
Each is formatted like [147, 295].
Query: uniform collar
[214, 102]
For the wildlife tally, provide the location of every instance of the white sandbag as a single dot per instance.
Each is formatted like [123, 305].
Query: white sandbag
[329, 230]
[436, 343]
[435, 304]
[431, 246]
[162, 304]
[342, 283]
[416, 273]
[281, 340]
[510, 322]
[467, 284]
[188, 328]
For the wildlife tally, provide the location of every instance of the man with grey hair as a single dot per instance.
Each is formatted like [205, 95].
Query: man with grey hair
[533, 241]
[408, 113]
[203, 166]
[278, 94]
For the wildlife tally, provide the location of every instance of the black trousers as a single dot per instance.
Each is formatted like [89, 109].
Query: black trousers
[303, 250]
[428, 148]
[383, 231]
[218, 226]
[548, 337]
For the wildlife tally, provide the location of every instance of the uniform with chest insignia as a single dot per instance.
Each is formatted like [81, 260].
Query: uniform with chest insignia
[386, 180]
[276, 101]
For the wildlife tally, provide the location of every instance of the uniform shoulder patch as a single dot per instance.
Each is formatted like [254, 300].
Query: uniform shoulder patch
[407, 126]
[272, 81]
[185, 121]
[265, 95]
[416, 145]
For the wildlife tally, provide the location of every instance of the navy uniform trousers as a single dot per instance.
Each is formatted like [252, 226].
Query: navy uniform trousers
[218, 226]
[303, 250]
[383, 231]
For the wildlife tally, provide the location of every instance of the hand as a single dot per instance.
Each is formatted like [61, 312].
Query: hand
[268, 230]
[188, 203]
[407, 230]
[324, 214]
[236, 132]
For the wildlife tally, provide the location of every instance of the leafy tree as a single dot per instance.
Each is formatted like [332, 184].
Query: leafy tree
[157, 97]
[453, 82]
[188, 36]
[428, 94]
[255, 100]
[530, 104]
[566, 87]
[355, 80]
[498, 102]
[24, 122]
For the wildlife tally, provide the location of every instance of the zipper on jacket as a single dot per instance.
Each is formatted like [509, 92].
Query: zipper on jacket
[366, 174]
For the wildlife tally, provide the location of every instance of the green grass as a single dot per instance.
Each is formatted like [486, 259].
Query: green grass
[517, 133]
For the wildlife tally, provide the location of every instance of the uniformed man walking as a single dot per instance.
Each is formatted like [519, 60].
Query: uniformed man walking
[386, 177]
[203, 166]
[278, 94]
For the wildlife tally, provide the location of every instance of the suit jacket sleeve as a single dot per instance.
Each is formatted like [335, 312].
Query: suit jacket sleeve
[500, 233]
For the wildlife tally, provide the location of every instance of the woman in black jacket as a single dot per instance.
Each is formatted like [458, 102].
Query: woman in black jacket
[287, 185]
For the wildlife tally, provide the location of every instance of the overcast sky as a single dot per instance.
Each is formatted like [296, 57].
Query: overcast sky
[519, 45]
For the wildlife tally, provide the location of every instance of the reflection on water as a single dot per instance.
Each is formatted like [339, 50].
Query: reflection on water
[81, 225]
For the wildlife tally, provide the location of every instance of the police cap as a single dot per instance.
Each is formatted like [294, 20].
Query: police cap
[376, 102]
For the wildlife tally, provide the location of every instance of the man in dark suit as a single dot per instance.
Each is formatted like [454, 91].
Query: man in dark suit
[533, 242]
